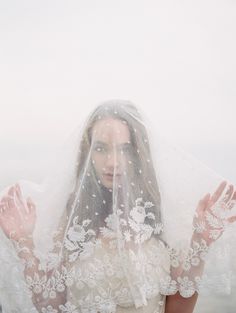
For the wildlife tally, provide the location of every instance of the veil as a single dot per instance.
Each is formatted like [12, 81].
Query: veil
[123, 216]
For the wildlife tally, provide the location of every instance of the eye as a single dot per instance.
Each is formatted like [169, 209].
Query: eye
[126, 149]
[99, 149]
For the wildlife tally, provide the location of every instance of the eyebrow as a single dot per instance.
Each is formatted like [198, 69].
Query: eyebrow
[105, 144]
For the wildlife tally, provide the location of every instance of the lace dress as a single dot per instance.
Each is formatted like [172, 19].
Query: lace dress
[104, 287]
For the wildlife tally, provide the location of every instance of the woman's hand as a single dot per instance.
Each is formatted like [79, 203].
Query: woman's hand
[212, 214]
[17, 217]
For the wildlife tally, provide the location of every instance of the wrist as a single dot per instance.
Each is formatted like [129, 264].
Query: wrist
[24, 247]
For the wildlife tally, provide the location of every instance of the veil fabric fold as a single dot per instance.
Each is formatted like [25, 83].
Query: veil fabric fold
[124, 219]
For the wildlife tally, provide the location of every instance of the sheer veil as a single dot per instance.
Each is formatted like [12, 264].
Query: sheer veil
[123, 216]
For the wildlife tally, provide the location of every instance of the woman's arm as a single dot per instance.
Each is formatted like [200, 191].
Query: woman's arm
[38, 280]
[17, 220]
[178, 304]
[204, 235]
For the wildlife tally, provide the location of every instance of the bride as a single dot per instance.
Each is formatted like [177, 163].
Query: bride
[111, 248]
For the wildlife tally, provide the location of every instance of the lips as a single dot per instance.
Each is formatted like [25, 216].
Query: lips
[109, 175]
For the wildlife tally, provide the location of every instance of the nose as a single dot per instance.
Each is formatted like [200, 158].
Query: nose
[112, 162]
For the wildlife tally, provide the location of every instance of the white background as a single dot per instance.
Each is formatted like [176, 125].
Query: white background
[175, 59]
[58, 59]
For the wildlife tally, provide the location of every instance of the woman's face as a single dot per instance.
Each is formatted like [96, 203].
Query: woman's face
[111, 146]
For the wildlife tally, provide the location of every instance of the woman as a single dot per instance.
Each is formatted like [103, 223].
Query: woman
[110, 251]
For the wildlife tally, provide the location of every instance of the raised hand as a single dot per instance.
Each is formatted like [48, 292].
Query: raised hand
[213, 214]
[17, 216]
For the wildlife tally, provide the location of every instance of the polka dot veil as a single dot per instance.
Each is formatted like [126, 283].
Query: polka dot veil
[124, 219]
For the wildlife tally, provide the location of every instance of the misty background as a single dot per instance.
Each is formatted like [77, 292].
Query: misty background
[175, 59]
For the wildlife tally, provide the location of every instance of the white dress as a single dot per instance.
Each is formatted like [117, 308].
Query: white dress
[102, 284]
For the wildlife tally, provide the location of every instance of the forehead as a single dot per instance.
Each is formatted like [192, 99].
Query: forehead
[111, 130]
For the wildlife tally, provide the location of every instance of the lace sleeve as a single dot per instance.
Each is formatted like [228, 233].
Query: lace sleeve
[36, 278]
[190, 263]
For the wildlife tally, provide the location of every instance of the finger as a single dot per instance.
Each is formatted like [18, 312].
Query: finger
[4, 214]
[232, 219]
[18, 193]
[11, 198]
[232, 202]
[2, 223]
[203, 204]
[20, 200]
[4, 200]
[11, 191]
[31, 206]
[228, 194]
[206, 200]
[234, 196]
[12, 212]
[3, 207]
[17, 187]
[11, 205]
[216, 195]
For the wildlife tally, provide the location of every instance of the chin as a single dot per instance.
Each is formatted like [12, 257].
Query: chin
[107, 185]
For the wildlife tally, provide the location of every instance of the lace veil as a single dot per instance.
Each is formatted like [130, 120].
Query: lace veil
[123, 216]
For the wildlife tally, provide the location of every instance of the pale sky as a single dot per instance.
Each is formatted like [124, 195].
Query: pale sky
[58, 59]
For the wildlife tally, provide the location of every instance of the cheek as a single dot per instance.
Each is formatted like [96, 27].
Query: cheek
[98, 162]
[123, 160]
